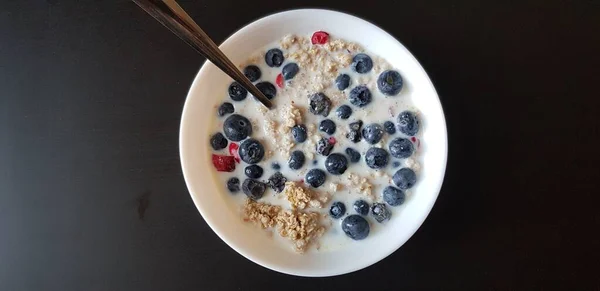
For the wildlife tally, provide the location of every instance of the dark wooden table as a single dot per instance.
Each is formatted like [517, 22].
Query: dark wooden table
[92, 195]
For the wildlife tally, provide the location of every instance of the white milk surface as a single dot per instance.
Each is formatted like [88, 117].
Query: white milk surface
[309, 80]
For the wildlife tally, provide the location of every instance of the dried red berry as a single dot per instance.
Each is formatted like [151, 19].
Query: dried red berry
[319, 37]
[332, 140]
[233, 150]
[223, 163]
[279, 80]
[415, 141]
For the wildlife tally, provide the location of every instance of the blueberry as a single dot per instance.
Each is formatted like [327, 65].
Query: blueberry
[356, 125]
[393, 196]
[372, 133]
[251, 151]
[289, 71]
[404, 178]
[389, 82]
[401, 148]
[277, 182]
[327, 126]
[344, 112]
[225, 108]
[253, 171]
[319, 104]
[361, 207]
[408, 123]
[218, 141]
[389, 127]
[267, 88]
[233, 185]
[342, 82]
[324, 147]
[315, 178]
[355, 227]
[354, 134]
[296, 160]
[274, 57]
[299, 133]
[353, 154]
[252, 72]
[336, 164]
[376, 158]
[237, 127]
[275, 166]
[237, 92]
[337, 210]
[360, 96]
[396, 164]
[254, 189]
[362, 63]
[380, 212]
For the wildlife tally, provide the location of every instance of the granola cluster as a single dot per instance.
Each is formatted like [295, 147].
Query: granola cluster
[300, 197]
[301, 227]
[262, 214]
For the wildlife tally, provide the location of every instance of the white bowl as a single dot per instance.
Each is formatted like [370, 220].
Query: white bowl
[199, 110]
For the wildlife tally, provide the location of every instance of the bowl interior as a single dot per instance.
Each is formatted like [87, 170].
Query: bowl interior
[207, 91]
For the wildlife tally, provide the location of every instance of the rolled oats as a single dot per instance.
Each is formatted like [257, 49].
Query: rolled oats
[300, 197]
[361, 184]
[262, 214]
[302, 228]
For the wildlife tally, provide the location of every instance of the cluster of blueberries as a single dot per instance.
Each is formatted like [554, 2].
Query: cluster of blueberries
[355, 226]
[237, 128]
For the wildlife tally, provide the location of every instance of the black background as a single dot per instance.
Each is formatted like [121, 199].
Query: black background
[93, 198]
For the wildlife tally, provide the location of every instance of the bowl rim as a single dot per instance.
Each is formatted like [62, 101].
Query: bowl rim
[249, 255]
